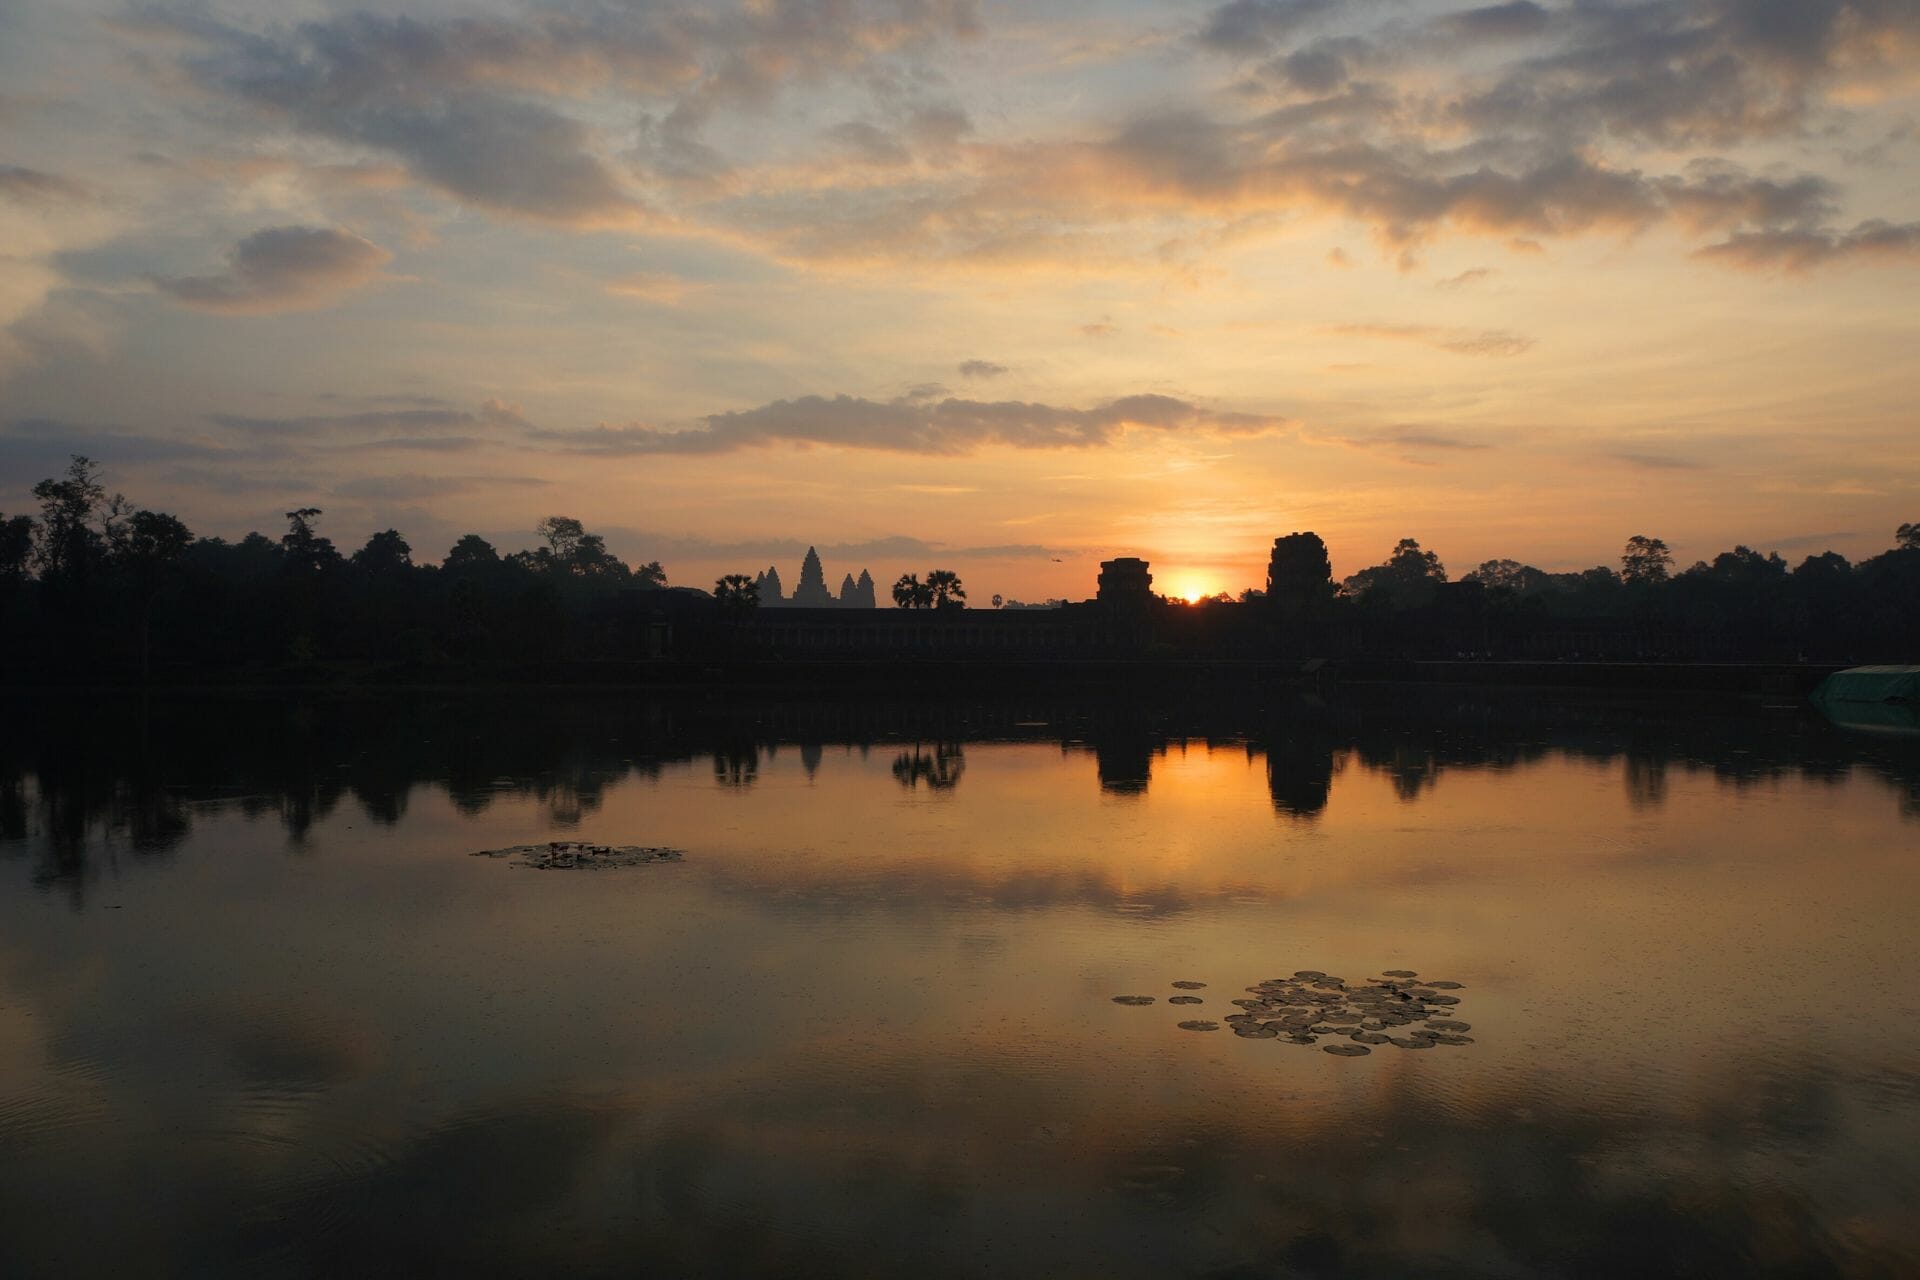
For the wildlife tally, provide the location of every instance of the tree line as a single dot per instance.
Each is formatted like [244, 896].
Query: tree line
[93, 582]
[1742, 603]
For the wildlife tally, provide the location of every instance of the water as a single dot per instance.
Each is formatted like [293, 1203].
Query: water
[262, 1014]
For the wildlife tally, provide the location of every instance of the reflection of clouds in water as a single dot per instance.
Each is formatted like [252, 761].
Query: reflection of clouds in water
[945, 1158]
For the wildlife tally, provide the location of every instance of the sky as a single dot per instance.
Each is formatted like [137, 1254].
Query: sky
[1002, 288]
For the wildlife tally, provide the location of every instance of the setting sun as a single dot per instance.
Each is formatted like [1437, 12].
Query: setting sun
[1190, 586]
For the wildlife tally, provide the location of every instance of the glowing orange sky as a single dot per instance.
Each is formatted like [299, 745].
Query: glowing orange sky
[1003, 288]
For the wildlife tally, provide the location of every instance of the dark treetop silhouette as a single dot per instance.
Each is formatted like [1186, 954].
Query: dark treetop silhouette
[95, 586]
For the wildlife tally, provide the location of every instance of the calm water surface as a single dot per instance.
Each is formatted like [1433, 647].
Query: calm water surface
[262, 1015]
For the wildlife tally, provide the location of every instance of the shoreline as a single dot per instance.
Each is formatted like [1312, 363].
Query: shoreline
[1143, 677]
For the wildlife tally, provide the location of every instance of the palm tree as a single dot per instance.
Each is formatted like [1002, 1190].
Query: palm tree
[911, 593]
[737, 593]
[944, 586]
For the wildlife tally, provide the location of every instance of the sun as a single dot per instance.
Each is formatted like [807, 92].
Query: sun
[1190, 586]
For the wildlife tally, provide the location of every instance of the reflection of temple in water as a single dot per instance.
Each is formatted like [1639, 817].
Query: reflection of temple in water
[85, 780]
[1124, 760]
[1299, 771]
[940, 768]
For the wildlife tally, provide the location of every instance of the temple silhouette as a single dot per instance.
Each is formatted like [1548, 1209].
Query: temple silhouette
[812, 592]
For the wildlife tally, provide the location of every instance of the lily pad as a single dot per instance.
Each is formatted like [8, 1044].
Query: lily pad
[1399, 973]
[1346, 1050]
[1308, 975]
[1443, 1024]
[1199, 1024]
[1133, 999]
[1189, 985]
[577, 855]
[1185, 1000]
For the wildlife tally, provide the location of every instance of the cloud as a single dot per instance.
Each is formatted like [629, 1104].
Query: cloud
[1803, 250]
[869, 144]
[442, 430]
[1656, 462]
[439, 96]
[981, 369]
[905, 425]
[652, 286]
[39, 447]
[1472, 275]
[1417, 439]
[283, 269]
[370, 423]
[1675, 73]
[1519, 20]
[34, 186]
[1431, 440]
[407, 488]
[1323, 66]
[1251, 27]
[482, 107]
[865, 551]
[1797, 541]
[1466, 342]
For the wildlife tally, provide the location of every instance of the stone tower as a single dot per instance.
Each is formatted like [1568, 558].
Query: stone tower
[812, 591]
[1125, 581]
[863, 592]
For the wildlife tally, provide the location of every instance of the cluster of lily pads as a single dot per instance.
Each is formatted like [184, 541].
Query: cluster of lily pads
[1395, 1008]
[572, 855]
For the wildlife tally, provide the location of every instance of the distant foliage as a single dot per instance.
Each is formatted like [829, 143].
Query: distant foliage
[941, 590]
[95, 582]
[95, 585]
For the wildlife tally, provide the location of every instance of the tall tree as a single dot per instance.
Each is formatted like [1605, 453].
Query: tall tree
[911, 593]
[738, 592]
[68, 545]
[1907, 537]
[305, 553]
[1645, 560]
[154, 542]
[16, 547]
[1504, 575]
[385, 552]
[472, 553]
[1408, 580]
[563, 535]
[943, 585]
